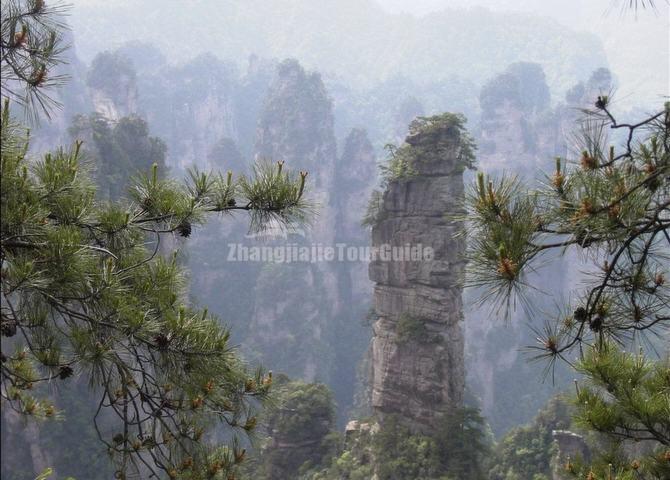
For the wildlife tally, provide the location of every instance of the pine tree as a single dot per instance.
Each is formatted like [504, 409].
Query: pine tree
[614, 205]
[31, 48]
[117, 150]
[87, 290]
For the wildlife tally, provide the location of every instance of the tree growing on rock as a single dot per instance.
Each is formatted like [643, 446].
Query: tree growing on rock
[300, 427]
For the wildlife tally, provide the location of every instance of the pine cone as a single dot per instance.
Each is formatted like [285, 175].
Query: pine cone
[596, 324]
[8, 328]
[580, 314]
[162, 341]
[184, 229]
[601, 102]
[64, 372]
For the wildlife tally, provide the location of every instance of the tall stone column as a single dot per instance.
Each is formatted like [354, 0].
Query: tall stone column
[417, 347]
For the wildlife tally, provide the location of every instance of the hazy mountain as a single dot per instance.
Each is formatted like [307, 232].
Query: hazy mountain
[353, 39]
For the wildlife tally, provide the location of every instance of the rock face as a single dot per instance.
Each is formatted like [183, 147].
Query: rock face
[193, 107]
[518, 129]
[304, 319]
[569, 447]
[112, 83]
[296, 126]
[417, 346]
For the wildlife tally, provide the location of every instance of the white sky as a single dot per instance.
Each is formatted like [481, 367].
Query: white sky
[637, 45]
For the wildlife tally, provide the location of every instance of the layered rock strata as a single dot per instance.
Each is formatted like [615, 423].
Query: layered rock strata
[417, 364]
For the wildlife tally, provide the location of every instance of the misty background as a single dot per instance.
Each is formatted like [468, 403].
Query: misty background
[635, 46]
[324, 85]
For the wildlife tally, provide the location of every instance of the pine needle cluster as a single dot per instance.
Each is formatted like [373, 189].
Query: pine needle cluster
[612, 204]
[31, 46]
[88, 291]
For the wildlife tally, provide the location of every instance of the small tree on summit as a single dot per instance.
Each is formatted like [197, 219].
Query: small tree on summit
[118, 150]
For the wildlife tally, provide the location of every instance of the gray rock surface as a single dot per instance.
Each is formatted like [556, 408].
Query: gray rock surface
[418, 377]
[570, 447]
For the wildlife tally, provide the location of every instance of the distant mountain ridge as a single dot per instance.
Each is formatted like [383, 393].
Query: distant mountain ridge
[356, 41]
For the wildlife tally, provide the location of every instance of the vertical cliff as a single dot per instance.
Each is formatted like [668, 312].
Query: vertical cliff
[355, 177]
[297, 124]
[293, 332]
[417, 347]
[193, 107]
[112, 84]
[307, 317]
[517, 126]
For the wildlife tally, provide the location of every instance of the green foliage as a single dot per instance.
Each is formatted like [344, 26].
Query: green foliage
[452, 126]
[348, 465]
[430, 139]
[399, 454]
[374, 212]
[304, 411]
[526, 451]
[461, 441]
[391, 453]
[433, 139]
[398, 166]
[625, 391]
[117, 150]
[299, 426]
[269, 190]
[615, 208]
[32, 46]
[498, 256]
[595, 204]
[85, 292]
[640, 387]
[456, 449]
[410, 328]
